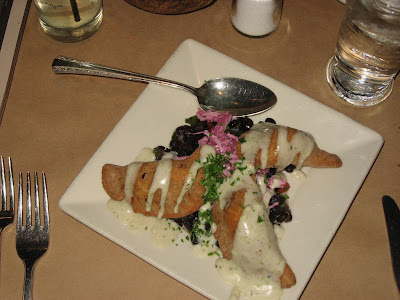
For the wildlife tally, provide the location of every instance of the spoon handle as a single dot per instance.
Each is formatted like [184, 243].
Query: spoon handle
[66, 65]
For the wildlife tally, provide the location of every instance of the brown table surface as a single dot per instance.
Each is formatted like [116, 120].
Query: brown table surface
[54, 124]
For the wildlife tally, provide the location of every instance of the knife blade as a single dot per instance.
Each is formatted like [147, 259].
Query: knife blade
[5, 10]
[392, 215]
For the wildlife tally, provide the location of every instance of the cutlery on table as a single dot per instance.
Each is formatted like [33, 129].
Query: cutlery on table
[5, 10]
[7, 211]
[32, 239]
[392, 215]
[236, 96]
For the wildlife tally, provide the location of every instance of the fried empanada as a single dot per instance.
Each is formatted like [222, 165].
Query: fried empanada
[281, 141]
[114, 179]
[268, 145]
[227, 221]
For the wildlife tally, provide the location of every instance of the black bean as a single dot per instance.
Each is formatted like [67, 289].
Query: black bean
[193, 139]
[290, 168]
[183, 149]
[270, 120]
[248, 122]
[181, 132]
[193, 239]
[279, 214]
[240, 126]
[200, 126]
[272, 171]
[284, 217]
[187, 221]
[277, 198]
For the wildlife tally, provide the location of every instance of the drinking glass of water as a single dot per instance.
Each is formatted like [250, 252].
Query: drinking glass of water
[367, 56]
[70, 20]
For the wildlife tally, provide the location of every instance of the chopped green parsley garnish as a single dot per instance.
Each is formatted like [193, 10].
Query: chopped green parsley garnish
[205, 218]
[213, 178]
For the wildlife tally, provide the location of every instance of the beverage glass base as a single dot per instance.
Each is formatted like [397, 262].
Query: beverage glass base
[71, 35]
[351, 96]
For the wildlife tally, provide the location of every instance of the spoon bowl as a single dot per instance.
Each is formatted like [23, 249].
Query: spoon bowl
[236, 96]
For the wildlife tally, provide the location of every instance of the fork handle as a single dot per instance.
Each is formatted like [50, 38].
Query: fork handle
[28, 282]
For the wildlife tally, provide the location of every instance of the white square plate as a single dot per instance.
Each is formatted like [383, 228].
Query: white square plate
[318, 204]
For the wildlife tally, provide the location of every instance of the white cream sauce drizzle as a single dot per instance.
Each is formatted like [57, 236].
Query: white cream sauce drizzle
[205, 151]
[163, 232]
[259, 138]
[161, 180]
[146, 154]
[257, 262]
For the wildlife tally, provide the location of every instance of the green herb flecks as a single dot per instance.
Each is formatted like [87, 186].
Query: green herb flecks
[213, 168]
[202, 226]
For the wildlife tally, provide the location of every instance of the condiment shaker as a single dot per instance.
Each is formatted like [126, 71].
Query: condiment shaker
[256, 18]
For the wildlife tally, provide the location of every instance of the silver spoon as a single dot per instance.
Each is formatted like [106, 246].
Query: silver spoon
[237, 96]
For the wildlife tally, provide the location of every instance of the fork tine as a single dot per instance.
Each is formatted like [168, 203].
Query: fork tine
[28, 201]
[11, 181]
[19, 209]
[37, 217]
[45, 204]
[3, 186]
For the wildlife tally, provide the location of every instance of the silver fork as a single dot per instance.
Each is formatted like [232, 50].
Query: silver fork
[6, 214]
[32, 239]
